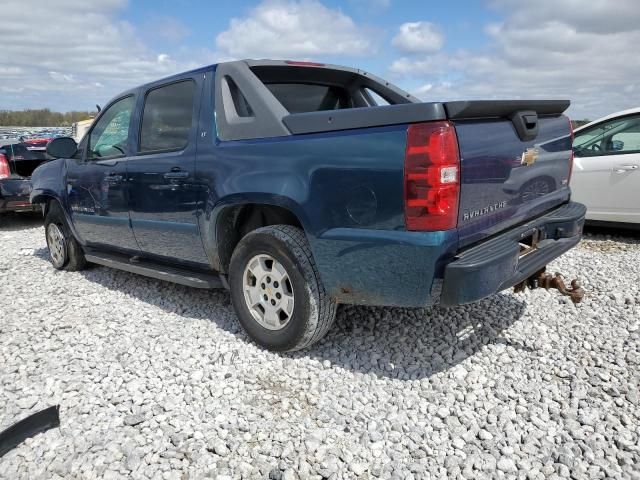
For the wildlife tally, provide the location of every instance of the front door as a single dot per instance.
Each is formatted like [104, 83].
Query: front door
[163, 189]
[96, 181]
[606, 175]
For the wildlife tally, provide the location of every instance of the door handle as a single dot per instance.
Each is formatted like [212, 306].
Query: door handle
[626, 168]
[108, 163]
[176, 174]
[114, 177]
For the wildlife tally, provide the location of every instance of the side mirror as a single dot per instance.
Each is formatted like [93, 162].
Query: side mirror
[62, 147]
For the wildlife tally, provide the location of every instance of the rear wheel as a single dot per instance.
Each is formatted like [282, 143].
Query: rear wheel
[65, 252]
[276, 289]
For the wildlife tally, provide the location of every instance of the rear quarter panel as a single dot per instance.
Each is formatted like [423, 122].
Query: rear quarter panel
[347, 190]
[351, 179]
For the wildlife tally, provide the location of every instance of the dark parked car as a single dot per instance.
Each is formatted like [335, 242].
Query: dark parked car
[17, 163]
[289, 184]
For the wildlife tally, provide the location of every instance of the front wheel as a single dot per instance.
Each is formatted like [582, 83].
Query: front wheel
[276, 289]
[65, 252]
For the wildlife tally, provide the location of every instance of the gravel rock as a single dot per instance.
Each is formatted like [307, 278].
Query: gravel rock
[220, 448]
[156, 380]
[133, 420]
[507, 465]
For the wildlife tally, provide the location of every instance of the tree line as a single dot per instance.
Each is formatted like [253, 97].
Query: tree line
[579, 123]
[41, 118]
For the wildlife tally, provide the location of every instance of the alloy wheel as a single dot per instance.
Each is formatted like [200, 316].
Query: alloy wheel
[57, 245]
[268, 292]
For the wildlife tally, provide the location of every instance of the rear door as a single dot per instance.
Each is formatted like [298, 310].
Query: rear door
[606, 174]
[96, 180]
[162, 174]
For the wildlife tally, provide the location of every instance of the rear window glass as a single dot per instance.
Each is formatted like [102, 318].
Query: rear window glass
[167, 117]
[301, 97]
[19, 151]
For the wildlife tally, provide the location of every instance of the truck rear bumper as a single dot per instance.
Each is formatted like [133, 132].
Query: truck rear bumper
[417, 269]
[14, 195]
[499, 263]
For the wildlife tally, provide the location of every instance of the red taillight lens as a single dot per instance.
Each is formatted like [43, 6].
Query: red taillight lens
[431, 177]
[4, 167]
[571, 148]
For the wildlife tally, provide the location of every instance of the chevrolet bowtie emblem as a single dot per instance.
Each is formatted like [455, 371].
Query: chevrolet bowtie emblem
[529, 157]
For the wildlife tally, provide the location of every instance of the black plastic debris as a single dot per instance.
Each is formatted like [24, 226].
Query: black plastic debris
[28, 427]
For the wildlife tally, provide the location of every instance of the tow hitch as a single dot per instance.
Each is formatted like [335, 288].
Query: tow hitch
[542, 279]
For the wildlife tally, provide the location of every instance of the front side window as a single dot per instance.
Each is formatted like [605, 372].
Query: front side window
[167, 117]
[614, 137]
[109, 136]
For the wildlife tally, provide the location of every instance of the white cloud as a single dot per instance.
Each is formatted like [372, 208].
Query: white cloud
[161, 27]
[593, 16]
[82, 56]
[292, 28]
[61, 77]
[583, 51]
[418, 37]
[426, 88]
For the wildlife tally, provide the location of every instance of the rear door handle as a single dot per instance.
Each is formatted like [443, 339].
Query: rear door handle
[176, 175]
[626, 168]
[114, 177]
[108, 163]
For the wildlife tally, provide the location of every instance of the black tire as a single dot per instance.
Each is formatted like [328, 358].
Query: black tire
[313, 312]
[73, 256]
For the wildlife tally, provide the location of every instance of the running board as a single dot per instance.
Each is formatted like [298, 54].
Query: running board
[156, 270]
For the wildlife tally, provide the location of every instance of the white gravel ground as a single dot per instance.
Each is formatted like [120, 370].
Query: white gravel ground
[156, 380]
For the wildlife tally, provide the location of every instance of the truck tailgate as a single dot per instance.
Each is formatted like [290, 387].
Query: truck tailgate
[508, 177]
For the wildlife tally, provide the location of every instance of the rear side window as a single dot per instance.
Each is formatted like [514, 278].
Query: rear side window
[167, 117]
[301, 97]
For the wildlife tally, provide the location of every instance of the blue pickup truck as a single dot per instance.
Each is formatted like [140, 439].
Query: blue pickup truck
[299, 186]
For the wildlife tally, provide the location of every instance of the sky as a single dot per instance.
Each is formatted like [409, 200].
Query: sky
[74, 54]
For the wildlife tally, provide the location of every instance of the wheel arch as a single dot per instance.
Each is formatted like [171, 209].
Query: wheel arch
[234, 220]
[46, 199]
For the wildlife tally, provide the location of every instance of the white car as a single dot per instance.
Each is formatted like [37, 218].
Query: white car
[606, 168]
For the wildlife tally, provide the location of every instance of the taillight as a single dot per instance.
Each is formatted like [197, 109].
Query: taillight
[571, 149]
[431, 177]
[4, 167]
